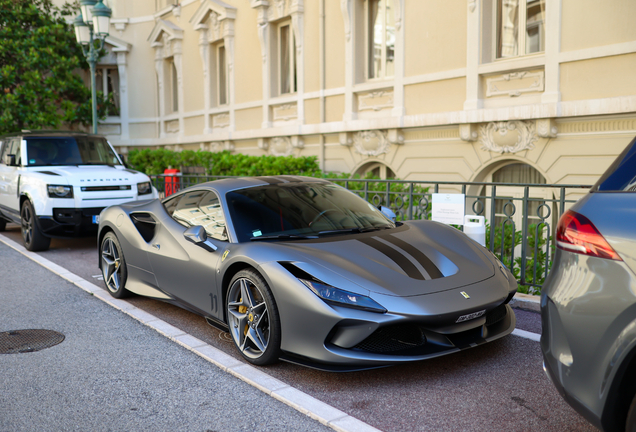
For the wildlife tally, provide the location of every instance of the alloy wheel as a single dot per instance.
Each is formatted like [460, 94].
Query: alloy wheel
[27, 224]
[248, 318]
[111, 265]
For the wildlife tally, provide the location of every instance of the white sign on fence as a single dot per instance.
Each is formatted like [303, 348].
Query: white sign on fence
[448, 208]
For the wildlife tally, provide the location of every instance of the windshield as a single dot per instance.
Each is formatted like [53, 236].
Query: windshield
[43, 151]
[300, 209]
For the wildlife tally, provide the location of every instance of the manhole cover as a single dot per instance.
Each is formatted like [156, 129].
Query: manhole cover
[23, 341]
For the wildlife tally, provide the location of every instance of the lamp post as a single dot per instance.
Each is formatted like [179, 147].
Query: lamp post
[92, 24]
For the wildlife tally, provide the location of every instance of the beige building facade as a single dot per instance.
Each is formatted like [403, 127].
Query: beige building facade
[446, 90]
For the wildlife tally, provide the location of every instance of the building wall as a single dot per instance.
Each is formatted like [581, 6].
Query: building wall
[450, 110]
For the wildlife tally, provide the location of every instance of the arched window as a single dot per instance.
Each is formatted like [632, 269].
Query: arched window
[375, 169]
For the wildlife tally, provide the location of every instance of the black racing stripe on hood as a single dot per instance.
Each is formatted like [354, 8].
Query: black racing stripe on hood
[419, 256]
[404, 263]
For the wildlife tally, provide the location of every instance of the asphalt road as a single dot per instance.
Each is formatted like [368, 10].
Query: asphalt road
[497, 386]
[112, 372]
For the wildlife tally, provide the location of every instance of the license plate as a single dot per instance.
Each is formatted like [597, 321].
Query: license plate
[96, 219]
[470, 316]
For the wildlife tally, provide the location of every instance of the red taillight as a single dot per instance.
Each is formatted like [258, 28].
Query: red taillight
[576, 233]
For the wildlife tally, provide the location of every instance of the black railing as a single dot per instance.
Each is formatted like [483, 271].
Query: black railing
[522, 240]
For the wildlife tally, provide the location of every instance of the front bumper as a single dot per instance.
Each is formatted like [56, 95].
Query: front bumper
[337, 338]
[70, 222]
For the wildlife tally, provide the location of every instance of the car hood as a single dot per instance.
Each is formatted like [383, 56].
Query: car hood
[414, 259]
[93, 175]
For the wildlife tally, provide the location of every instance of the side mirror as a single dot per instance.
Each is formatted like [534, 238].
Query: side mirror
[199, 237]
[121, 158]
[387, 212]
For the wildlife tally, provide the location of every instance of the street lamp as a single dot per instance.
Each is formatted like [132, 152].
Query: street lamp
[92, 23]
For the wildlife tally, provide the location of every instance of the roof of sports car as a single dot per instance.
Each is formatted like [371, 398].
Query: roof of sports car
[225, 185]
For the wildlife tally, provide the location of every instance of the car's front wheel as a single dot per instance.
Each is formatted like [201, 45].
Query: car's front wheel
[113, 265]
[253, 318]
[33, 238]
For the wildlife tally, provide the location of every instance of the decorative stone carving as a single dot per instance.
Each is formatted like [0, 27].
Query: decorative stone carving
[375, 101]
[471, 5]
[221, 120]
[280, 146]
[346, 138]
[263, 143]
[285, 112]
[395, 136]
[468, 132]
[514, 84]
[120, 24]
[371, 143]
[508, 137]
[172, 126]
[297, 141]
[546, 128]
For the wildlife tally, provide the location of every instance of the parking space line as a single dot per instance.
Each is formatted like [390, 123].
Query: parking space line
[526, 334]
[302, 402]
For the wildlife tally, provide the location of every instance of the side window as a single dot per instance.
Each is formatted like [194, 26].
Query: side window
[202, 208]
[10, 146]
[16, 150]
[171, 204]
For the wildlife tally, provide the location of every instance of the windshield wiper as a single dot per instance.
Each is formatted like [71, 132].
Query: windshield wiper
[354, 230]
[93, 163]
[283, 237]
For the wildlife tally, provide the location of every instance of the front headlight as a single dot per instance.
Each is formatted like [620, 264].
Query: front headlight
[60, 191]
[144, 188]
[343, 298]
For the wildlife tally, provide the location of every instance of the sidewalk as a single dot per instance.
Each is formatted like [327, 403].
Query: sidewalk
[112, 372]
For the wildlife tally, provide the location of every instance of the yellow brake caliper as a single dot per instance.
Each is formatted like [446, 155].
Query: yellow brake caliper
[243, 309]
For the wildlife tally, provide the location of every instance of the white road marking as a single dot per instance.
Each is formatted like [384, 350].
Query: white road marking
[306, 404]
[526, 334]
[98, 277]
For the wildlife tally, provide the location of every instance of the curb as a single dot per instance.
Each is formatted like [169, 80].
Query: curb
[306, 404]
[526, 302]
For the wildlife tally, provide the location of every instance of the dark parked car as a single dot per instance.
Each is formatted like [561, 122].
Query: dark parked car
[588, 304]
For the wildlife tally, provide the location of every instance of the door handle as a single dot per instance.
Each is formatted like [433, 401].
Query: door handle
[156, 246]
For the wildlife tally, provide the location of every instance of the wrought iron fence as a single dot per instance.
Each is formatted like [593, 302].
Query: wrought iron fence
[520, 218]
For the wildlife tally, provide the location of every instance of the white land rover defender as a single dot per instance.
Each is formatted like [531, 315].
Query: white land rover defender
[55, 184]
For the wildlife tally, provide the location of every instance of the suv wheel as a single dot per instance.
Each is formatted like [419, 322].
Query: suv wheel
[33, 238]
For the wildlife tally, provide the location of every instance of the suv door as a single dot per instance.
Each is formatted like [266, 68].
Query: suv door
[10, 178]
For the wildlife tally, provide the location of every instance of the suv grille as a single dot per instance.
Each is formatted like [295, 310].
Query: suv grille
[104, 188]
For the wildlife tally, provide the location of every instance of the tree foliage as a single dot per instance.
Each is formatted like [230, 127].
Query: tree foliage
[39, 61]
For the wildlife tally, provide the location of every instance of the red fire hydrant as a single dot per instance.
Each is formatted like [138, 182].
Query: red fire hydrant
[172, 183]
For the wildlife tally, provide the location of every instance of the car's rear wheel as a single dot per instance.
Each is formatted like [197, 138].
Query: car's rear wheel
[113, 266]
[253, 318]
[630, 424]
[33, 238]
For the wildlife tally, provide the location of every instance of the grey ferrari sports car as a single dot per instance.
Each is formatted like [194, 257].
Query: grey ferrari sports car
[300, 269]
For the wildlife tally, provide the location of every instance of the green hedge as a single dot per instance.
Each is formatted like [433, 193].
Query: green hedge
[222, 163]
